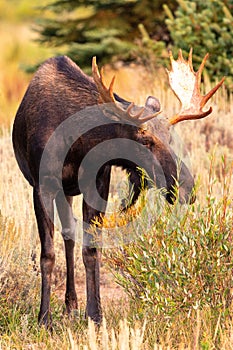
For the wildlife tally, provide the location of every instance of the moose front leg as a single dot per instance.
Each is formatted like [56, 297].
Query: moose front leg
[44, 215]
[68, 222]
[92, 208]
[91, 260]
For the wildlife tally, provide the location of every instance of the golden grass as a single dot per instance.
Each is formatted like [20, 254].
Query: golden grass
[123, 337]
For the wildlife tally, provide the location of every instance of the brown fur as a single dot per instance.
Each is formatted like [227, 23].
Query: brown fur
[58, 90]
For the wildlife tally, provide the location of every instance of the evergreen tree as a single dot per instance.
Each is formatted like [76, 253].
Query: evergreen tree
[207, 26]
[108, 29]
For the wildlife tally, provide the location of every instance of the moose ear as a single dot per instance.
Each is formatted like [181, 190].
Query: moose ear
[153, 104]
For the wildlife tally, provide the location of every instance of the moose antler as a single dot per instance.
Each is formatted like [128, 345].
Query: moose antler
[107, 96]
[185, 83]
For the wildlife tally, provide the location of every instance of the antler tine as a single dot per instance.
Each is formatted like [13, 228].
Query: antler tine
[180, 56]
[190, 59]
[185, 83]
[200, 69]
[95, 70]
[138, 115]
[199, 72]
[107, 96]
[206, 98]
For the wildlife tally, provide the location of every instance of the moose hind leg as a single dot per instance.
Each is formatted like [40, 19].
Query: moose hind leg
[68, 222]
[45, 224]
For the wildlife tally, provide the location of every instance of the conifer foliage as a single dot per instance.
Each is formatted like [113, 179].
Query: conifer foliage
[142, 30]
[105, 28]
[207, 26]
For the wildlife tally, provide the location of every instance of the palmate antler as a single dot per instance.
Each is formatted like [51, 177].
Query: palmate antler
[106, 95]
[185, 83]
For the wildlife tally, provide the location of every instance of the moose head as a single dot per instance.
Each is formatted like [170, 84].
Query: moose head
[155, 132]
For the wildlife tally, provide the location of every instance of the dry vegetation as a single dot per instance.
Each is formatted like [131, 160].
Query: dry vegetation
[210, 146]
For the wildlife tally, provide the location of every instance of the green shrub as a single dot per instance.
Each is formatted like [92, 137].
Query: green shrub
[207, 26]
[184, 262]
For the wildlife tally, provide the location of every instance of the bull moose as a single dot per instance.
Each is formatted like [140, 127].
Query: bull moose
[59, 90]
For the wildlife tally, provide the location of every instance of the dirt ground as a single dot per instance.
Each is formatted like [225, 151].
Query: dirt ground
[110, 291]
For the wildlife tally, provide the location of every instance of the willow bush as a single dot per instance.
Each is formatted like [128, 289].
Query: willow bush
[183, 262]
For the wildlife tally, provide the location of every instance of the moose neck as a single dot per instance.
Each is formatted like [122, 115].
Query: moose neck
[126, 146]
